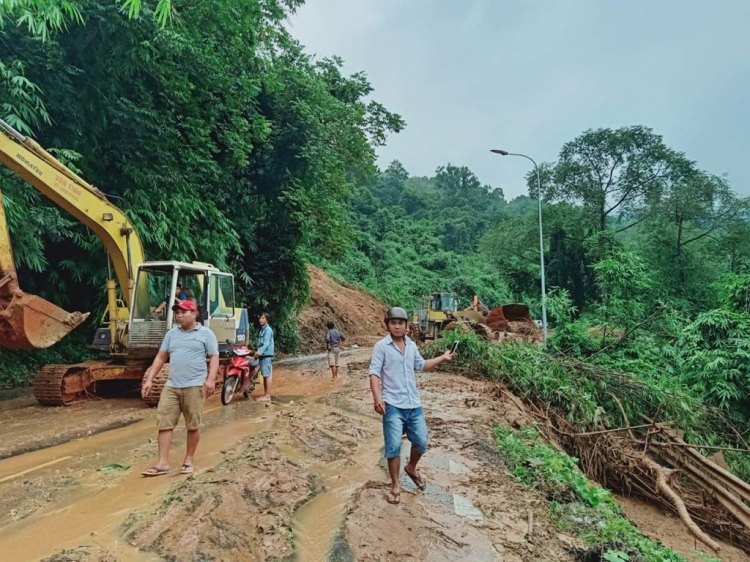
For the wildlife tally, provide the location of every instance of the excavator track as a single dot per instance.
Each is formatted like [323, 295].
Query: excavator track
[49, 389]
[152, 398]
[60, 385]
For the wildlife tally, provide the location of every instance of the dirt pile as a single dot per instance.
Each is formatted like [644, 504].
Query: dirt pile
[239, 510]
[355, 312]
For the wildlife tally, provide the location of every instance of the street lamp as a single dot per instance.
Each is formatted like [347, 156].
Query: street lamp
[541, 237]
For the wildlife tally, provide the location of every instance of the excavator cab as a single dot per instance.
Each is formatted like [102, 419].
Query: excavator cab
[155, 293]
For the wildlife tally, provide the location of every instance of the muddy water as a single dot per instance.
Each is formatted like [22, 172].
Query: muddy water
[317, 523]
[91, 512]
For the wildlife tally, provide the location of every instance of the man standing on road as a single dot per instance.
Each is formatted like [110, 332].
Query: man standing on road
[395, 358]
[264, 353]
[333, 343]
[186, 346]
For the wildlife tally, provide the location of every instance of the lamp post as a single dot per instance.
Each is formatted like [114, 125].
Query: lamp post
[541, 237]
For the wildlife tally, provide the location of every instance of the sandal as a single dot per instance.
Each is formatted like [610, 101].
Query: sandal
[417, 479]
[187, 469]
[396, 498]
[155, 471]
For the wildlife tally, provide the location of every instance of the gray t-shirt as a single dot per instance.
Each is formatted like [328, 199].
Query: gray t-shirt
[334, 338]
[187, 355]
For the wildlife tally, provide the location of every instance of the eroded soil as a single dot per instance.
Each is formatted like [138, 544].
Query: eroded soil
[300, 480]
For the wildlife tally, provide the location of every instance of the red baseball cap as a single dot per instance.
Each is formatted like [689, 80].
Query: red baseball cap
[185, 305]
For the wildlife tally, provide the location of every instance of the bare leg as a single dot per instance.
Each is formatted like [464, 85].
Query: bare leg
[411, 468]
[165, 443]
[266, 389]
[193, 436]
[394, 465]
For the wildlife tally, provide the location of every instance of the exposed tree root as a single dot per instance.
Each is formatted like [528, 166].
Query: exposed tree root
[662, 484]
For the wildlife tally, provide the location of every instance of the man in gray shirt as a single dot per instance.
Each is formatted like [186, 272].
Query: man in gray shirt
[333, 343]
[393, 383]
[186, 346]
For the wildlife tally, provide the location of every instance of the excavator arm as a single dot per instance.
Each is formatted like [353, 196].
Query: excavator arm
[27, 321]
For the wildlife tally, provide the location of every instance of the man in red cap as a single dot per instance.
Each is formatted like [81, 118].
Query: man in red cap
[186, 346]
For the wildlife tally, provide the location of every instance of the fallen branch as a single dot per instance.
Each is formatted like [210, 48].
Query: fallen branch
[603, 431]
[688, 445]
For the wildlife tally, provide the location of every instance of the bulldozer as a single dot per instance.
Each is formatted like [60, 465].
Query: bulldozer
[131, 329]
[440, 311]
[436, 312]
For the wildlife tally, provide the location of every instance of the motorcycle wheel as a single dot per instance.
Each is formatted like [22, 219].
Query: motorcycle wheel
[227, 391]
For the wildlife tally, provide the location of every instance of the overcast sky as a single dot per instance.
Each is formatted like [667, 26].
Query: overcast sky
[527, 76]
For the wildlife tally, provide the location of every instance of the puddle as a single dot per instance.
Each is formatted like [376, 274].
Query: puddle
[317, 524]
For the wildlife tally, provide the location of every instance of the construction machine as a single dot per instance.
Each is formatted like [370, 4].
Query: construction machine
[131, 329]
[437, 311]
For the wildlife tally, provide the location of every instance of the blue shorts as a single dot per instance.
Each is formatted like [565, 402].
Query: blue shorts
[396, 421]
[266, 367]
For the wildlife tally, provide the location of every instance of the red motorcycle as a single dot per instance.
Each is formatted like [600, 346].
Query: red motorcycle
[241, 374]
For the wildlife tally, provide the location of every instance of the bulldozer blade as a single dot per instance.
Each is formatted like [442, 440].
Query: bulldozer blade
[30, 322]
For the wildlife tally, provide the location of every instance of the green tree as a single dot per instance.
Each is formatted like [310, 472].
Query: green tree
[608, 172]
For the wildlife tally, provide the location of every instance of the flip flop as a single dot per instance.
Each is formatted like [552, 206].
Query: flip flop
[417, 479]
[155, 471]
[187, 469]
[396, 498]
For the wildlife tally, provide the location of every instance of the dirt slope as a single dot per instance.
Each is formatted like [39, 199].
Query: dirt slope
[356, 313]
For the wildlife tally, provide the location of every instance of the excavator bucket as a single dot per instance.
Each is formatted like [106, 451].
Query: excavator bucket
[27, 321]
[30, 322]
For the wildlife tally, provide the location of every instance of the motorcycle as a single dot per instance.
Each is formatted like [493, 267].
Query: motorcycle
[241, 374]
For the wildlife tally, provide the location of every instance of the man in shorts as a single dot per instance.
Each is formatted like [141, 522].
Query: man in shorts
[264, 353]
[333, 343]
[187, 346]
[393, 383]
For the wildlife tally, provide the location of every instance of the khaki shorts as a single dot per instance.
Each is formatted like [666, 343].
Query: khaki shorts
[333, 357]
[176, 401]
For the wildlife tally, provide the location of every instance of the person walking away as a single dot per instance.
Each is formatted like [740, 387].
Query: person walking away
[264, 354]
[333, 344]
[393, 383]
[187, 346]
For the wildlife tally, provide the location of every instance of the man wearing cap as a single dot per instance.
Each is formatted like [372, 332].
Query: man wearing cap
[186, 346]
[395, 358]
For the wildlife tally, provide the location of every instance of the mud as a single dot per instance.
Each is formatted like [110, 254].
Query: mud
[663, 526]
[27, 426]
[239, 510]
[300, 480]
[355, 313]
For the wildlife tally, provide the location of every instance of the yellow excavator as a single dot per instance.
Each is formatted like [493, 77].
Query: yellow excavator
[133, 325]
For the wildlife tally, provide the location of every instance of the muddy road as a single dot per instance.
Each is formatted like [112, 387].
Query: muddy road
[302, 479]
